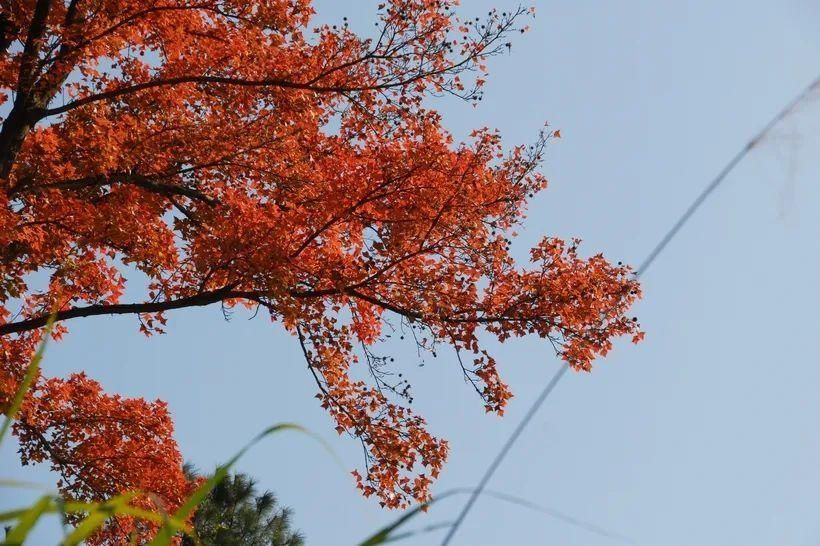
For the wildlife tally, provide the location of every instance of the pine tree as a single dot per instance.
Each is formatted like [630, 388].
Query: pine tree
[235, 514]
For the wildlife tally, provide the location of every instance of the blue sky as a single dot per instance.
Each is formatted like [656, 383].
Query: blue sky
[705, 434]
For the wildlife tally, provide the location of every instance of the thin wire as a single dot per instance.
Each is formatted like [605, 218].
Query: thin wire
[724, 173]
[660, 247]
[589, 527]
[501, 454]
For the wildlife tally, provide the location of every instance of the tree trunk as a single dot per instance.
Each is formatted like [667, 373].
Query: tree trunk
[14, 131]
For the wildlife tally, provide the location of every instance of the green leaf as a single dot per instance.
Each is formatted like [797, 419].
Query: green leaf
[24, 485]
[184, 512]
[12, 514]
[383, 536]
[28, 379]
[417, 532]
[26, 521]
[202, 491]
[98, 514]
[386, 534]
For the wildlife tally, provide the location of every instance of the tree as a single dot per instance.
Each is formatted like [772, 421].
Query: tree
[234, 514]
[227, 152]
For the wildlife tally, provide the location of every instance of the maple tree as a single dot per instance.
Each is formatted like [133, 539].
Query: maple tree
[231, 152]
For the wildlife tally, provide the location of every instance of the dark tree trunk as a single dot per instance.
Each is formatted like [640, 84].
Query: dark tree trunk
[7, 32]
[15, 129]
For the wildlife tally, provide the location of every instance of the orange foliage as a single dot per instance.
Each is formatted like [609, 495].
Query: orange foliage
[102, 444]
[231, 152]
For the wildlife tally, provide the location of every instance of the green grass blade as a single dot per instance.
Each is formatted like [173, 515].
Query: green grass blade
[185, 511]
[92, 523]
[17, 484]
[98, 514]
[10, 515]
[202, 491]
[383, 536]
[28, 379]
[387, 535]
[423, 531]
[147, 515]
[26, 521]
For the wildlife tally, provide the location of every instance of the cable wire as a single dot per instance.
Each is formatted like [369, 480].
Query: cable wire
[650, 259]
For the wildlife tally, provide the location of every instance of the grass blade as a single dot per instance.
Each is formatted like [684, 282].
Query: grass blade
[18, 484]
[98, 514]
[386, 534]
[184, 512]
[26, 521]
[12, 514]
[416, 532]
[383, 536]
[202, 491]
[28, 379]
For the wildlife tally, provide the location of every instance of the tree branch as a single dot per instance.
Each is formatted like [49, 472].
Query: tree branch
[22, 118]
[229, 292]
[267, 82]
[150, 183]
[197, 300]
[7, 32]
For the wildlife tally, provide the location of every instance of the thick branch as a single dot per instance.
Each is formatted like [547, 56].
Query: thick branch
[21, 118]
[229, 292]
[150, 183]
[198, 300]
[7, 32]
[31, 49]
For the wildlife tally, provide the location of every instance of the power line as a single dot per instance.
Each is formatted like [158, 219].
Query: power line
[650, 259]
[501, 454]
[699, 200]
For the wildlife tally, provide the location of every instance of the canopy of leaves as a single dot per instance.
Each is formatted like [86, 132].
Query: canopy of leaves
[233, 153]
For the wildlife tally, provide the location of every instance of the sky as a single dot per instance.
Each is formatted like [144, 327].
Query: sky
[705, 434]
